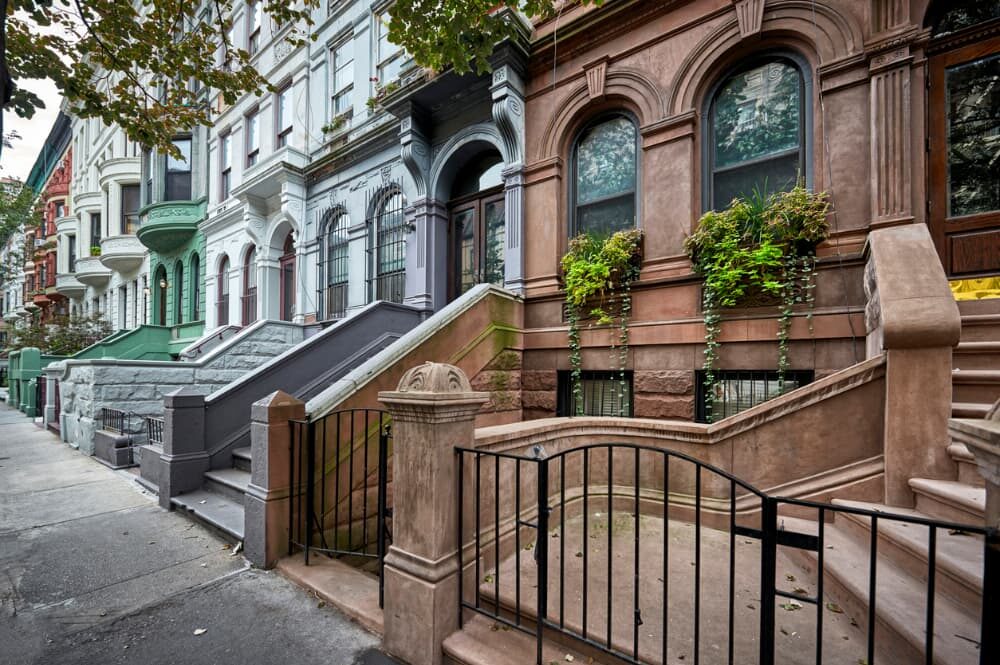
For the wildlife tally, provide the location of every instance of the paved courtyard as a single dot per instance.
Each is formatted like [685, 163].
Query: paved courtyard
[93, 571]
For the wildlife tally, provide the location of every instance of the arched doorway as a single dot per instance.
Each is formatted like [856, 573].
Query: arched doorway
[476, 230]
[161, 295]
[964, 118]
[286, 265]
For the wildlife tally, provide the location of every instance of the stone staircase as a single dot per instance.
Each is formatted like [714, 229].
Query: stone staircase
[976, 359]
[219, 503]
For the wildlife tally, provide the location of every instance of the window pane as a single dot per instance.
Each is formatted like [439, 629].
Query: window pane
[772, 175]
[130, 208]
[337, 252]
[973, 103]
[253, 138]
[606, 217]
[756, 114]
[283, 117]
[605, 160]
[174, 164]
[493, 261]
[961, 14]
[465, 249]
[226, 151]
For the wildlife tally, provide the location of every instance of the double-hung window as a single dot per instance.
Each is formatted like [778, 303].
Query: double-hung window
[225, 165]
[283, 116]
[251, 128]
[605, 164]
[254, 14]
[177, 185]
[130, 209]
[342, 64]
[388, 56]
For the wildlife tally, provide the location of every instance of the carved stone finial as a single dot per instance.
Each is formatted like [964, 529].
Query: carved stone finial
[434, 378]
[750, 14]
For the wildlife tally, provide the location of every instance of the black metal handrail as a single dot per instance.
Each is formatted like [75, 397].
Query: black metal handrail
[322, 511]
[511, 502]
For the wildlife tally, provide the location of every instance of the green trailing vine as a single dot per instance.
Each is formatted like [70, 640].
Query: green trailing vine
[598, 274]
[760, 250]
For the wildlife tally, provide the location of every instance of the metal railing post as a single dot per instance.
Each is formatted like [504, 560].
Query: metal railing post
[542, 552]
[768, 562]
[310, 485]
[383, 468]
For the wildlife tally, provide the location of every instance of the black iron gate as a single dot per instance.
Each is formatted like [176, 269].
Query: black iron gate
[605, 577]
[339, 475]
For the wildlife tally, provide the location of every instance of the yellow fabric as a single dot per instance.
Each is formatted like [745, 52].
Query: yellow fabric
[975, 289]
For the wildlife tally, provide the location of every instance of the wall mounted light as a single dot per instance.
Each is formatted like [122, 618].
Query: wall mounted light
[164, 284]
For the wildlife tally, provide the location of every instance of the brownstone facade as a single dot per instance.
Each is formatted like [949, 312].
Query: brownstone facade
[866, 139]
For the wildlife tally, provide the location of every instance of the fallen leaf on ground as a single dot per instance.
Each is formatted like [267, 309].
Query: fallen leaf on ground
[791, 606]
[200, 631]
[835, 608]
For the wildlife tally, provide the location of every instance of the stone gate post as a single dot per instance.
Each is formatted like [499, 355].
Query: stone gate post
[184, 457]
[433, 410]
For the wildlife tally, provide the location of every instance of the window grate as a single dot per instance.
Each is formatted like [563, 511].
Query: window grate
[738, 390]
[603, 394]
[333, 268]
[387, 230]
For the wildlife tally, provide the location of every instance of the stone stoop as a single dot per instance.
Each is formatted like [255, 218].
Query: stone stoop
[976, 360]
[968, 470]
[219, 504]
[901, 574]
[483, 642]
[950, 500]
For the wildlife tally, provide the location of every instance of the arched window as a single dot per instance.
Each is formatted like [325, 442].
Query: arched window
[179, 293]
[756, 131]
[249, 299]
[605, 170]
[387, 247]
[335, 266]
[286, 266]
[222, 292]
[160, 282]
[195, 287]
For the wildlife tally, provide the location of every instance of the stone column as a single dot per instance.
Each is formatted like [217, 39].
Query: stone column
[433, 410]
[427, 255]
[184, 456]
[265, 530]
[890, 138]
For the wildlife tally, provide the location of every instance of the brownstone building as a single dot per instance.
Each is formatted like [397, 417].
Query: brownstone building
[647, 114]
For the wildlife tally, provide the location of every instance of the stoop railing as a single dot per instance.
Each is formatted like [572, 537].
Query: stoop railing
[600, 592]
[338, 472]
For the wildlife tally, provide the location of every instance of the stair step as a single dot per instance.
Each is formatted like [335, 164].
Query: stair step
[976, 355]
[958, 557]
[981, 327]
[242, 459]
[217, 511]
[968, 470]
[900, 602]
[969, 410]
[481, 642]
[979, 386]
[950, 500]
[231, 483]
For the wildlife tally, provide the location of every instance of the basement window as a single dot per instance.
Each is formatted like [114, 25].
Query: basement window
[603, 394]
[738, 390]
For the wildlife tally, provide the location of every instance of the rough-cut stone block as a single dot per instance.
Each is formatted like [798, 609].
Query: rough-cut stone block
[539, 379]
[664, 406]
[496, 380]
[674, 382]
[544, 400]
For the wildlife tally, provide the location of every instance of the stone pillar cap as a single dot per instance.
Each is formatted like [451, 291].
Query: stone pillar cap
[434, 381]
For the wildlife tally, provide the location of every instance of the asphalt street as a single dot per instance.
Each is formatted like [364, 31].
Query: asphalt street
[92, 571]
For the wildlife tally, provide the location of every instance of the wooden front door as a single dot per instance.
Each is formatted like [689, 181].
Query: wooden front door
[476, 242]
[964, 158]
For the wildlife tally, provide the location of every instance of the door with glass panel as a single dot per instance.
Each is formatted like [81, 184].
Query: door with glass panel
[477, 236]
[964, 155]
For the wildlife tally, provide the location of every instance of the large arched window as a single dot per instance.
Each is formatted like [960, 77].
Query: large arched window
[756, 131]
[249, 298]
[195, 287]
[605, 173]
[387, 247]
[335, 266]
[222, 293]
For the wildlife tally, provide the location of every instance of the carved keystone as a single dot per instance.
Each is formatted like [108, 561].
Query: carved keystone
[433, 410]
[750, 15]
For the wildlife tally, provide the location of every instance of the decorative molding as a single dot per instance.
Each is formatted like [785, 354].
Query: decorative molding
[596, 77]
[750, 16]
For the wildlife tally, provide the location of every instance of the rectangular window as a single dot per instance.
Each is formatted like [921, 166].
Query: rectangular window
[604, 394]
[122, 307]
[135, 303]
[252, 131]
[225, 165]
[130, 209]
[147, 174]
[342, 65]
[177, 185]
[283, 116]
[60, 210]
[71, 254]
[95, 230]
[388, 56]
[254, 13]
[738, 390]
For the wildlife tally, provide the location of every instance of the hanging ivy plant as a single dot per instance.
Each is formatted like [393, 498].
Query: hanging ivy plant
[762, 247]
[598, 275]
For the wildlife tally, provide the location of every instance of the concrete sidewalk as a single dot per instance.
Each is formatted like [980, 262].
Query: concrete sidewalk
[93, 571]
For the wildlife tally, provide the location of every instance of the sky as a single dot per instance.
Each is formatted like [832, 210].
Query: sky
[16, 162]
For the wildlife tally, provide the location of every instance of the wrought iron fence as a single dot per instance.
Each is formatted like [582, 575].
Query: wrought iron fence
[338, 472]
[154, 430]
[568, 546]
[114, 420]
